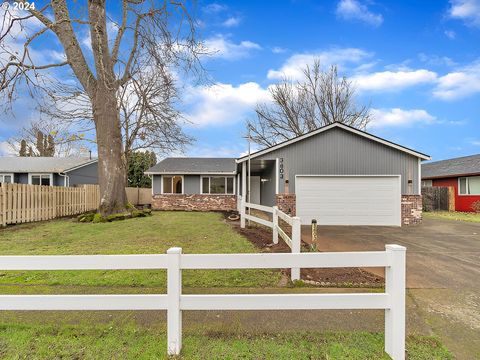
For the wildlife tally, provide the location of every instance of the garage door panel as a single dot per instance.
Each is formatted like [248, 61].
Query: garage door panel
[349, 200]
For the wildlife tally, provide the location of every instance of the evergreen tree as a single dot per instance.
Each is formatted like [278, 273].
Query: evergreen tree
[23, 148]
[138, 163]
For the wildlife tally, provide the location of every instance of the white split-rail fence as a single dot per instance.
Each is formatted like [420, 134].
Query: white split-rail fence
[293, 242]
[392, 300]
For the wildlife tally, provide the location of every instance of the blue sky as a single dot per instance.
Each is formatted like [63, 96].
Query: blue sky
[417, 63]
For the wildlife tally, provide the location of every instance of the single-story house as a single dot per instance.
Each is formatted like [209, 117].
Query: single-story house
[336, 174]
[463, 174]
[50, 171]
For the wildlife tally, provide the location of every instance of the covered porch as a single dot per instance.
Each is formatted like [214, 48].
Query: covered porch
[259, 180]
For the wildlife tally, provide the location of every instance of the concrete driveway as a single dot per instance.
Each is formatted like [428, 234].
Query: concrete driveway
[443, 273]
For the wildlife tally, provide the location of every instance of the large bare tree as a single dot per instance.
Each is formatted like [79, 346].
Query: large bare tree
[320, 98]
[147, 32]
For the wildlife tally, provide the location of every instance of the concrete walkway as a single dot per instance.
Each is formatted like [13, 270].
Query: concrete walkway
[443, 273]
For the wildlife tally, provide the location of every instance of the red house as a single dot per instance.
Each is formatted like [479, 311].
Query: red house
[463, 174]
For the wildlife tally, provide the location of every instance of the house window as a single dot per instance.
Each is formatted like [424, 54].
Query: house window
[221, 185]
[40, 179]
[172, 184]
[6, 178]
[469, 185]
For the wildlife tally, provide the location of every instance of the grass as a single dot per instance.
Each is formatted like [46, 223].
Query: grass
[194, 232]
[107, 341]
[453, 215]
[94, 335]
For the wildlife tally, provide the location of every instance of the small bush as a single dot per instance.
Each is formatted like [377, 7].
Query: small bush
[87, 217]
[98, 218]
[476, 206]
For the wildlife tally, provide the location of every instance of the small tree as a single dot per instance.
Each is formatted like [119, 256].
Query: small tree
[320, 98]
[138, 163]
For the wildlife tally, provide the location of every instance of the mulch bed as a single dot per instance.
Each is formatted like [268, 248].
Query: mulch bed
[261, 237]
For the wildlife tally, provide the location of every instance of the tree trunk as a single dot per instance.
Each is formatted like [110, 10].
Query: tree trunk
[111, 167]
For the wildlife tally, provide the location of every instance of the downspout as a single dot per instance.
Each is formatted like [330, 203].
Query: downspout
[66, 179]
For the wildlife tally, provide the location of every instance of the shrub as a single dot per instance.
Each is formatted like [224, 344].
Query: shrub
[476, 206]
[98, 218]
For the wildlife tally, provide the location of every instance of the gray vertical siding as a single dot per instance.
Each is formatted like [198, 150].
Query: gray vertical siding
[339, 152]
[192, 184]
[21, 178]
[87, 174]
[156, 184]
[267, 188]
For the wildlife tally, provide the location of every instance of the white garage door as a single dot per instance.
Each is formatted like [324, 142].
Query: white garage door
[348, 200]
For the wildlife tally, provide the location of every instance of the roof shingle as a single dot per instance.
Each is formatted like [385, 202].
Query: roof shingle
[466, 165]
[194, 165]
[41, 164]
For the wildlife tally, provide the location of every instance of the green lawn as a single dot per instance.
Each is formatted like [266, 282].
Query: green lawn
[194, 232]
[94, 335]
[107, 341]
[452, 215]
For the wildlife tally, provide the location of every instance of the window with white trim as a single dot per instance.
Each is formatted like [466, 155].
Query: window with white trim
[6, 178]
[172, 184]
[40, 179]
[469, 185]
[218, 185]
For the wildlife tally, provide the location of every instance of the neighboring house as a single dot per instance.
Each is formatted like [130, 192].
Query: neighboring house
[50, 171]
[463, 174]
[336, 174]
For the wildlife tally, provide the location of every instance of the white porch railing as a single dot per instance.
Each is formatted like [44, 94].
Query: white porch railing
[392, 301]
[294, 242]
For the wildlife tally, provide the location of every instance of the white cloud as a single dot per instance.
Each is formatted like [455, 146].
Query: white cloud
[5, 149]
[226, 49]
[278, 50]
[460, 83]
[393, 80]
[214, 8]
[400, 117]
[292, 68]
[466, 10]
[223, 103]
[232, 22]
[450, 34]
[355, 10]
[436, 60]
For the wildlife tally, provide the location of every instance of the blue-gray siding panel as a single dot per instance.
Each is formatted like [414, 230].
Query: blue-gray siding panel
[87, 174]
[339, 152]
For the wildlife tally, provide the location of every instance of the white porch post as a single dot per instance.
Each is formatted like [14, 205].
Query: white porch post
[244, 195]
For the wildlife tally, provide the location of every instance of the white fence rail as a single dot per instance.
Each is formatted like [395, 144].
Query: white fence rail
[392, 301]
[294, 242]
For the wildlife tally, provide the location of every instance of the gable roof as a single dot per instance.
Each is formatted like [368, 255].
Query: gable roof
[193, 165]
[42, 164]
[332, 126]
[466, 165]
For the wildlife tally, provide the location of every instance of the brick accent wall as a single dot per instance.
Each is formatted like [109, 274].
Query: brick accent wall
[194, 202]
[286, 203]
[411, 209]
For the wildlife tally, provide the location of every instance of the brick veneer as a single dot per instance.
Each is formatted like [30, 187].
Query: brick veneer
[286, 203]
[411, 209]
[194, 202]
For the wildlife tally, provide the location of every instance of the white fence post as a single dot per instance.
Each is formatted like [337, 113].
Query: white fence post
[242, 213]
[296, 239]
[395, 316]
[174, 291]
[275, 224]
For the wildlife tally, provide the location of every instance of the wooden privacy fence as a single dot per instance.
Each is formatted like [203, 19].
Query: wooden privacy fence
[294, 242]
[392, 300]
[436, 198]
[21, 203]
[139, 196]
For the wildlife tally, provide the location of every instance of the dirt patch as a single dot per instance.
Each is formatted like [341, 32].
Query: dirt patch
[261, 237]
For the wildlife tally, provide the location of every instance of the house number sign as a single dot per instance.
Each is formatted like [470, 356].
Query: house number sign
[280, 168]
